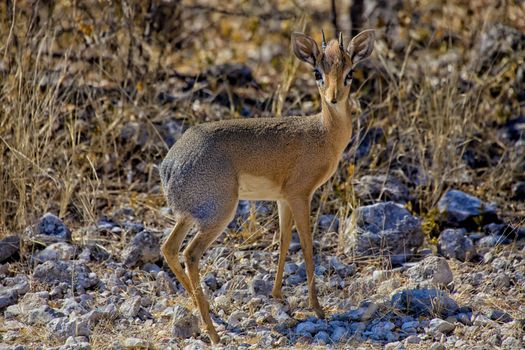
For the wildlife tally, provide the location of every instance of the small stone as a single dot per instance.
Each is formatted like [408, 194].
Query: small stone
[236, 317]
[322, 338]
[439, 325]
[64, 327]
[437, 346]
[56, 251]
[12, 289]
[307, 327]
[9, 246]
[464, 318]
[383, 229]
[502, 281]
[458, 207]
[67, 272]
[339, 334]
[135, 343]
[424, 302]
[185, 324]
[412, 339]
[510, 343]
[143, 248]
[130, 307]
[454, 243]
[211, 281]
[49, 229]
[151, 268]
[397, 345]
[500, 316]
[328, 223]
[341, 269]
[260, 286]
[433, 271]
[372, 188]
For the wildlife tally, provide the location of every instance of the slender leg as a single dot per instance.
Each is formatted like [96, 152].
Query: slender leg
[285, 228]
[301, 213]
[192, 255]
[170, 250]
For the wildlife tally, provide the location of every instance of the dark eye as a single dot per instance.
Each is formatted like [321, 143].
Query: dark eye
[318, 75]
[349, 77]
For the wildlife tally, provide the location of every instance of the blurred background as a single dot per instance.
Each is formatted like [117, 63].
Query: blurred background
[93, 94]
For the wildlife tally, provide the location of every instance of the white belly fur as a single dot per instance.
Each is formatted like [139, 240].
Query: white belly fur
[258, 188]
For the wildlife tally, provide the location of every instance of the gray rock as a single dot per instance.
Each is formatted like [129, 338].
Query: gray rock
[64, 327]
[341, 269]
[196, 345]
[306, 327]
[492, 241]
[328, 223]
[340, 333]
[42, 315]
[364, 312]
[458, 207]
[236, 317]
[211, 281]
[12, 289]
[9, 246]
[322, 338]
[424, 302]
[260, 286]
[454, 243]
[381, 331]
[395, 346]
[510, 343]
[500, 316]
[143, 248]
[439, 325]
[72, 273]
[384, 229]
[130, 307]
[437, 346]
[49, 229]
[108, 312]
[371, 189]
[433, 271]
[518, 189]
[185, 324]
[56, 251]
[136, 343]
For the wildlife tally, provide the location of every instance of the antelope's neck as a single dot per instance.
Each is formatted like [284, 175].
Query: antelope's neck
[338, 122]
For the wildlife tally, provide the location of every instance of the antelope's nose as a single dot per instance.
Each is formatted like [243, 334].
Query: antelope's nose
[333, 100]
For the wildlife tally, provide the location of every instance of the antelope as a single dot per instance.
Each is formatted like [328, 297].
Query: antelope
[215, 164]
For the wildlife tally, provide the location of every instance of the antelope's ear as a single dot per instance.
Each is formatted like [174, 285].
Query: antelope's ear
[305, 48]
[361, 46]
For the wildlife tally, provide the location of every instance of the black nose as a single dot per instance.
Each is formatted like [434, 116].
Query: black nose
[334, 101]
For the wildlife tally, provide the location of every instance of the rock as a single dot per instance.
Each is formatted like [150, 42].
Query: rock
[518, 189]
[439, 325]
[340, 333]
[364, 141]
[433, 271]
[307, 327]
[185, 324]
[384, 229]
[381, 331]
[437, 346]
[341, 269]
[364, 312]
[371, 189]
[143, 248]
[236, 317]
[454, 243]
[49, 229]
[491, 241]
[72, 273]
[130, 307]
[136, 343]
[459, 209]
[322, 338]
[211, 281]
[328, 223]
[56, 251]
[412, 339]
[196, 345]
[63, 327]
[424, 302]
[394, 346]
[9, 246]
[12, 289]
[500, 316]
[260, 286]
[510, 343]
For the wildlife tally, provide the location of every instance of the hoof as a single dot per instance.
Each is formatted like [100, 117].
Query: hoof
[277, 294]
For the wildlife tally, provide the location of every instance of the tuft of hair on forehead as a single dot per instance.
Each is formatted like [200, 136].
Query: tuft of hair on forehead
[333, 55]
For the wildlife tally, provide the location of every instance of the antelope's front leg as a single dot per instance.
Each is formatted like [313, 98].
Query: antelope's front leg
[285, 227]
[301, 213]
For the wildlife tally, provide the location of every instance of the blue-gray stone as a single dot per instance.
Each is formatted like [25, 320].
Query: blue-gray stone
[424, 302]
[457, 207]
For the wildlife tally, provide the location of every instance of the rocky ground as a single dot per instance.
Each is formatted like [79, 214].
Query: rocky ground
[381, 287]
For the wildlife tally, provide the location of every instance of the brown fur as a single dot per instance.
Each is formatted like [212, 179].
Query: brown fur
[214, 165]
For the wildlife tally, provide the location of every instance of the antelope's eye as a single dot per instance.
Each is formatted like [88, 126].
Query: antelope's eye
[318, 75]
[349, 77]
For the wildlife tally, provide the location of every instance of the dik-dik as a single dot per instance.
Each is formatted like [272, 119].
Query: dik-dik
[213, 165]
